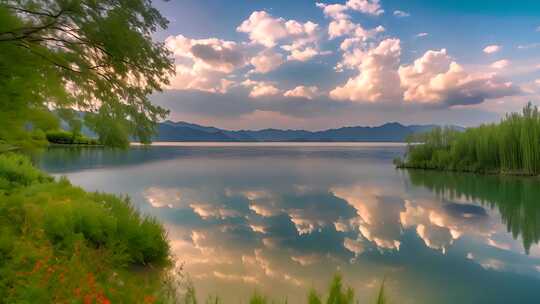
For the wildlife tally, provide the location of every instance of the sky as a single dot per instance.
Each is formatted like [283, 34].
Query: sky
[314, 65]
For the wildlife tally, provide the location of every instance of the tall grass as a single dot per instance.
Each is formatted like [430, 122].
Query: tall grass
[512, 146]
[337, 294]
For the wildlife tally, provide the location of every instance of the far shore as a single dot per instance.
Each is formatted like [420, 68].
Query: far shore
[272, 144]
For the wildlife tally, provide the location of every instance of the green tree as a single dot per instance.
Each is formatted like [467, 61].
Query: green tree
[85, 55]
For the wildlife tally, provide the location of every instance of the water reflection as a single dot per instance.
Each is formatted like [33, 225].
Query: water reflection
[284, 219]
[517, 199]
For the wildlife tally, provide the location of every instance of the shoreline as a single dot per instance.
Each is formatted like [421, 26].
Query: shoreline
[484, 173]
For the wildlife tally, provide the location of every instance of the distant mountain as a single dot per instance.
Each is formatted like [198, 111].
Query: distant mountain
[389, 132]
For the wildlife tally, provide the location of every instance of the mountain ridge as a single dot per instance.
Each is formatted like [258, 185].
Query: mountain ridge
[390, 131]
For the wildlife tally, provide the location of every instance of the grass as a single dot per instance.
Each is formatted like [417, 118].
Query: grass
[60, 244]
[337, 294]
[509, 147]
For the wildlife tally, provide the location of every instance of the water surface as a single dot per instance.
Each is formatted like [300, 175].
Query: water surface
[282, 218]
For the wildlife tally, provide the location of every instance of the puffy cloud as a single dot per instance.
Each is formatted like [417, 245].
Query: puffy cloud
[264, 29]
[490, 49]
[340, 27]
[371, 7]
[260, 88]
[334, 11]
[436, 78]
[399, 13]
[203, 64]
[303, 92]
[189, 78]
[300, 39]
[378, 79]
[337, 11]
[266, 61]
[500, 64]
[208, 54]
[344, 27]
[300, 54]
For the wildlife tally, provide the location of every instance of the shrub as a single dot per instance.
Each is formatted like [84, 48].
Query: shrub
[69, 138]
[61, 244]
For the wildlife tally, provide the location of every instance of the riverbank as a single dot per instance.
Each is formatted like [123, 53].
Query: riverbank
[59, 243]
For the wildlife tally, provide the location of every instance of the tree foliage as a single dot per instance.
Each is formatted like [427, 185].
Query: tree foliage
[85, 55]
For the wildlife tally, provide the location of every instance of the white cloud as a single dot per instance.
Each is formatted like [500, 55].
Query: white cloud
[264, 29]
[208, 54]
[537, 81]
[528, 46]
[266, 61]
[436, 78]
[338, 11]
[420, 35]
[334, 11]
[203, 64]
[357, 33]
[340, 27]
[260, 88]
[303, 92]
[538, 29]
[371, 7]
[500, 64]
[378, 79]
[399, 13]
[490, 49]
[301, 54]
[300, 39]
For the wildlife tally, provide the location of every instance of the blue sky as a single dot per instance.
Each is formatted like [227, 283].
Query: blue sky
[323, 64]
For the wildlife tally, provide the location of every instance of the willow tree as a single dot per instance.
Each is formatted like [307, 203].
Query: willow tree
[95, 56]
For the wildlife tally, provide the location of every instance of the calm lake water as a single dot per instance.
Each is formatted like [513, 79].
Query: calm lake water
[282, 218]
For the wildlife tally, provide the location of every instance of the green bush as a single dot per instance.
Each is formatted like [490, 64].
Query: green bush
[68, 138]
[59, 243]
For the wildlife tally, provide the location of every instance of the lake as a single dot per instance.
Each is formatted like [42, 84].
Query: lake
[283, 218]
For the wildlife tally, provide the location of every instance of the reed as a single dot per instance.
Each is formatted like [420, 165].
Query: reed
[511, 146]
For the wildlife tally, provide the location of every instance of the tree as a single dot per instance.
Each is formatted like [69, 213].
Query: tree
[95, 56]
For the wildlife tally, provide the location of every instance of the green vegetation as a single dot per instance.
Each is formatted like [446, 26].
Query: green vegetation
[337, 294]
[93, 56]
[515, 197]
[69, 138]
[60, 244]
[509, 147]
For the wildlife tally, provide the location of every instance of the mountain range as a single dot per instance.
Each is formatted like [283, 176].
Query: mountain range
[388, 132]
